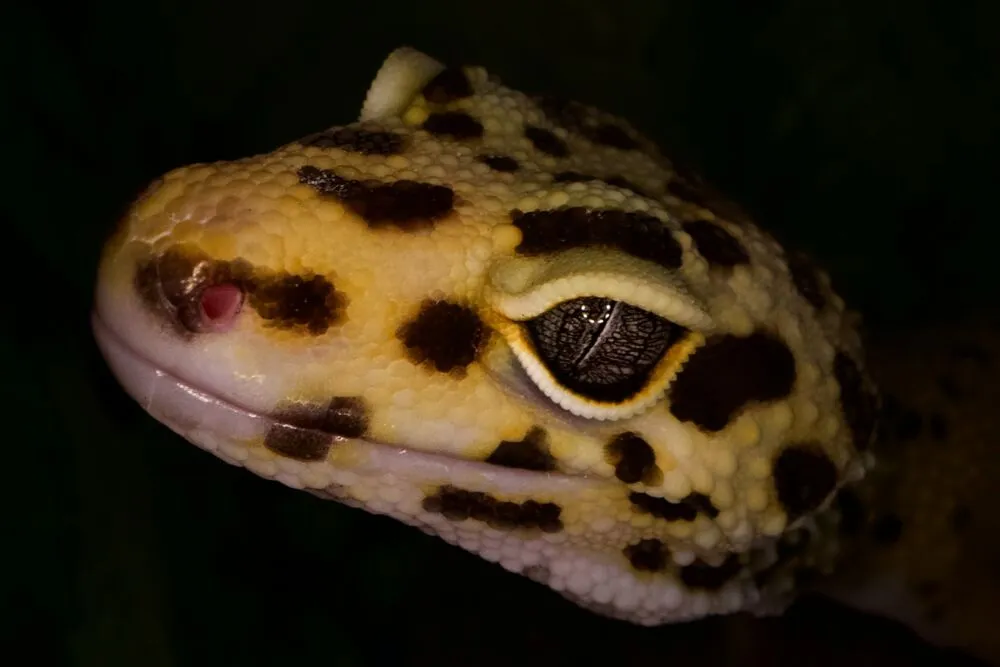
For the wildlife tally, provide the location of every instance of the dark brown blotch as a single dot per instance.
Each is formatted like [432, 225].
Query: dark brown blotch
[529, 453]
[171, 286]
[502, 163]
[648, 555]
[546, 141]
[806, 278]
[633, 458]
[710, 577]
[448, 85]
[344, 416]
[610, 135]
[685, 510]
[860, 405]
[716, 245]
[292, 301]
[454, 124]
[804, 476]
[567, 114]
[358, 140]
[403, 204]
[688, 186]
[300, 444]
[447, 336]
[638, 234]
[572, 177]
[459, 504]
[729, 372]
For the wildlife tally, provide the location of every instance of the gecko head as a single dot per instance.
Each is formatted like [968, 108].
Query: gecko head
[618, 394]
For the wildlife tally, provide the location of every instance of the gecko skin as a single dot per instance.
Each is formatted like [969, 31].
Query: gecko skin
[511, 322]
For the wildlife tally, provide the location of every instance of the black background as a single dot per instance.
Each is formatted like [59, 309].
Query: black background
[866, 132]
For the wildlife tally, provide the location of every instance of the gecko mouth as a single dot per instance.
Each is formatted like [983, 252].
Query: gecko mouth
[232, 431]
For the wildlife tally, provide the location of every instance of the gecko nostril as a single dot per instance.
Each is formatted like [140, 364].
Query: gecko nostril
[219, 306]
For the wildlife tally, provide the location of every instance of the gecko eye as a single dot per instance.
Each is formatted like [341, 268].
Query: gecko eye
[602, 358]
[602, 349]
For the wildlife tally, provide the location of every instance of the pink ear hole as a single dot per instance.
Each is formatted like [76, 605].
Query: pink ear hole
[220, 304]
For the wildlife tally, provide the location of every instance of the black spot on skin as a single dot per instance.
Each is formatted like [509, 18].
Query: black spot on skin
[805, 277]
[649, 555]
[546, 141]
[291, 301]
[633, 458]
[685, 510]
[716, 245]
[499, 163]
[852, 512]
[458, 505]
[357, 140]
[404, 204]
[887, 529]
[529, 453]
[445, 335]
[727, 373]
[638, 234]
[572, 177]
[344, 416]
[702, 503]
[860, 406]
[454, 124]
[938, 427]
[961, 518]
[710, 577]
[449, 85]
[682, 189]
[566, 113]
[803, 477]
[611, 135]
[171, 286]
[300, 444]
[583, 120]
[688, 186]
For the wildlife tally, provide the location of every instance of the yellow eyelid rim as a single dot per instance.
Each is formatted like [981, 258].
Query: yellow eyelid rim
[673, 307]
[521, 288]
[517, 339]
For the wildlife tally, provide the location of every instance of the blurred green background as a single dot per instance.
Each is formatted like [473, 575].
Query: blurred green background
[866, 132]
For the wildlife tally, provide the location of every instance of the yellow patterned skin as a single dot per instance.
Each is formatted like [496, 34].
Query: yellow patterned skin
[510, 322]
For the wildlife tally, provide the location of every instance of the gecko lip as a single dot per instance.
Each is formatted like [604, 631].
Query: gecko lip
[224, 428]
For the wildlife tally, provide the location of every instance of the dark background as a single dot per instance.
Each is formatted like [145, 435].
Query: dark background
[864, 131]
